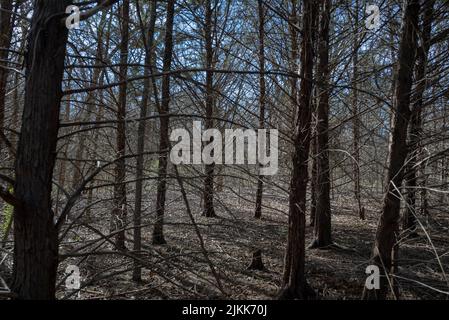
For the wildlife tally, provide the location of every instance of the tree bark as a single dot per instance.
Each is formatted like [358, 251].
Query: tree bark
[158, 232]
[35, 235]
[386, 245]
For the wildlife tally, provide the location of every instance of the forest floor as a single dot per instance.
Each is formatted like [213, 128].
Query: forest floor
[180, 269]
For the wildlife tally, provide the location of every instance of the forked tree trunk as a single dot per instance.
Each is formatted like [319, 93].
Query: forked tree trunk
[323, 230]
[415, 131]
[295, 284]
[35, 235]
[386, 245]
[158, 232]
[120, 209]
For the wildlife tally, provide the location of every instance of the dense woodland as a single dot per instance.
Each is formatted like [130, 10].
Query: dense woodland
[86, 114]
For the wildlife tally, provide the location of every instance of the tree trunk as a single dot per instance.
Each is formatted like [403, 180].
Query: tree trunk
[415, 131]
[323, 236]
[6, 26]
[257, 263]
[295, 284]
[120, 209]
[294, 57]
[149, 54]
[210, 168]
[35, 235]
[355, 115]
[313, 182]
[386, 245]
[262, 99]
[158, 232]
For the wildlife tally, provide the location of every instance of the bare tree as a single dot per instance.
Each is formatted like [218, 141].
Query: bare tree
[262, 99]
[323, 234]
[120, 209]
[35, 235]
[209, 210]
[257, 263]
[355, 112]
[415, 128]
[386, 243]
[295, 284]
[148, 38]
[158, 233]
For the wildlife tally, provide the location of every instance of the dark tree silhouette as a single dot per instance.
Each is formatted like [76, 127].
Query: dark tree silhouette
[35, 234]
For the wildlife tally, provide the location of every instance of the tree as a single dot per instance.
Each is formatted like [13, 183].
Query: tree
[355, 113]
[386, 245]
[86, 113]
[262, 99]
[120, 210]
[35, 235]
[295, 284]
[6, 25]
[322, 230]
[257, 263]
[415, 128]
[158, 232]
[294, 56]
[148, 38]
[210, 168]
